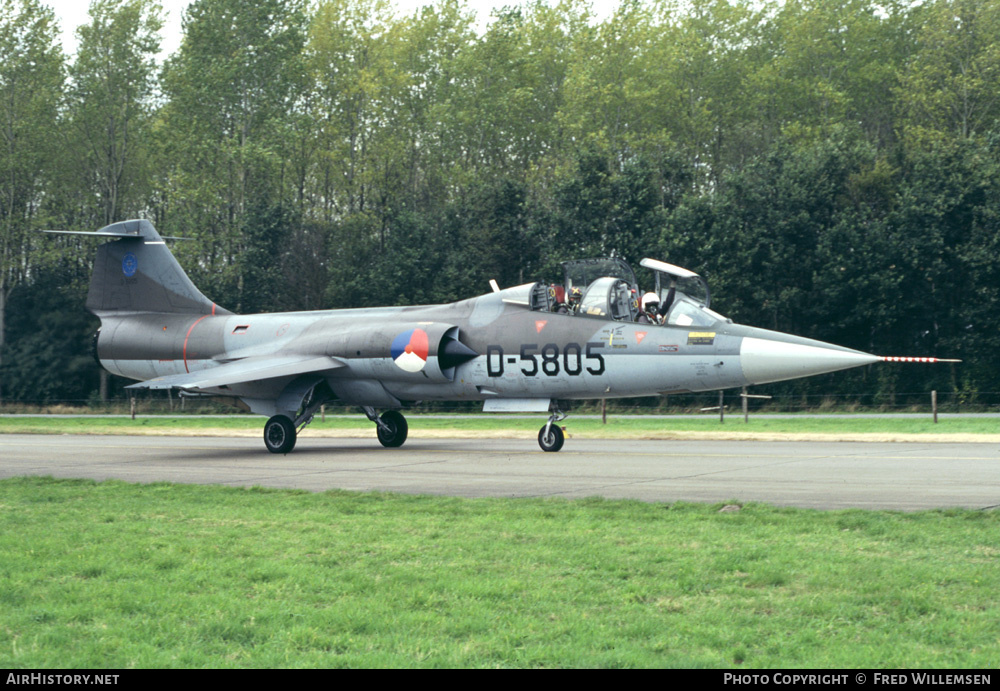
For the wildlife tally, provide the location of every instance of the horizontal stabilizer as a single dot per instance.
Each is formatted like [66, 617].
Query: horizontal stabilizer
[102, 234]
[137, 228]
[92, 233]
[243, 371]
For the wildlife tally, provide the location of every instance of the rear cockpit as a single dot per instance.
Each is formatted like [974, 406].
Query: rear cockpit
[608, 289]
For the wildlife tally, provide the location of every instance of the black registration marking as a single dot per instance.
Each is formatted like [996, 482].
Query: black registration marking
[494, 368]
[549, 359]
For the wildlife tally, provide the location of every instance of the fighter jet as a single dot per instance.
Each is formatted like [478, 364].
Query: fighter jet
[524, 348]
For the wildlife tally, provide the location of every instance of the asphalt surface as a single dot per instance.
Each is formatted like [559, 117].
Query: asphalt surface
[820, 475]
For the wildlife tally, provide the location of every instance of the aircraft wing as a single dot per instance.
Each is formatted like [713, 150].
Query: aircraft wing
[242, 371]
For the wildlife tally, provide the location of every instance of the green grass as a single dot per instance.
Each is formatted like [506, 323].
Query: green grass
[110, 575]
[619, 427]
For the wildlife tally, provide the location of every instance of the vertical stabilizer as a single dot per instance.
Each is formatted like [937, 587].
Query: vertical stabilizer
[137, 273]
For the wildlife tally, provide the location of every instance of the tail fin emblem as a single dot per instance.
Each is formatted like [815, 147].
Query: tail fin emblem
[129, 264]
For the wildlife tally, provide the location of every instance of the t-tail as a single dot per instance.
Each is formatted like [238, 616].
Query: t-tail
[137, 273]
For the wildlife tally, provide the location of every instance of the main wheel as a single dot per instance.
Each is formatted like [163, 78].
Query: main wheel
[279, 434]
[553, 441]
[396, 434]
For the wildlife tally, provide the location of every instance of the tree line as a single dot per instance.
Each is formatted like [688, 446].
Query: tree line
[831, 167]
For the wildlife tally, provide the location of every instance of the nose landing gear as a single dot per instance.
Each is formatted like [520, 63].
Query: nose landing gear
[552, 436]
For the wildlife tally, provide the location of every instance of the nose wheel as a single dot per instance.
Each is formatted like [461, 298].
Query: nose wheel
[551, 436]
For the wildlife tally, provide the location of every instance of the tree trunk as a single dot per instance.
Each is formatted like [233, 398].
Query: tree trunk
[3, 330]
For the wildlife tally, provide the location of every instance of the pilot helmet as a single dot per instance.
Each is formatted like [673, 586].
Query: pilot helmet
[575, 295]
[650, 302]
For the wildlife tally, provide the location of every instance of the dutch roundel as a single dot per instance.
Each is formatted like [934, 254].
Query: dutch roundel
[409, 350]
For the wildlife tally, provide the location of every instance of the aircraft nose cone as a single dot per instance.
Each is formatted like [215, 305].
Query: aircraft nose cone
[765, 361]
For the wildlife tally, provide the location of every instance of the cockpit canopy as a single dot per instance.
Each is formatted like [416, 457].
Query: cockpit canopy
[583, 272]
[686, 282]
[608, 289]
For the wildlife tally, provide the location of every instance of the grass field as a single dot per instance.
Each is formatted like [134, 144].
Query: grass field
[112, 575]
[987, 429]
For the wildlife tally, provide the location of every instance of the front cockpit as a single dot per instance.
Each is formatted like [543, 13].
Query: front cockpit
[608, 289]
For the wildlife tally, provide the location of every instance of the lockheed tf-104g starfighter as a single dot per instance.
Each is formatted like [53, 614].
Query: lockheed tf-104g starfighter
[518, 349]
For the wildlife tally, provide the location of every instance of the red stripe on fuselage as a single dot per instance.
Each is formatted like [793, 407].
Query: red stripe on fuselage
[186, 341]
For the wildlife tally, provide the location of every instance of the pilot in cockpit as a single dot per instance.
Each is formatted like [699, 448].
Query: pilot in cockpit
[558, 299]
[653, 311]
[575, 296]
[649, 314]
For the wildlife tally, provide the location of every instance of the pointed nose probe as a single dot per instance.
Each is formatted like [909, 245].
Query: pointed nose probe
[764, 360]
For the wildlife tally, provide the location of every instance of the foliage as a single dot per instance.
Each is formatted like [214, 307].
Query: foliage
[48, 355]
[831, 167]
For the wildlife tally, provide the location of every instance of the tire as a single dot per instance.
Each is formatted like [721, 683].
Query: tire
[279, 434]
[397, 426]
[554, 440]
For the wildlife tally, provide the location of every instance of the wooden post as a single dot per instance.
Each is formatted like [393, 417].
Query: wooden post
[322, 413]
[131, 405]
[746, 410]
[604, 411]
[722, 410]
[934, 405]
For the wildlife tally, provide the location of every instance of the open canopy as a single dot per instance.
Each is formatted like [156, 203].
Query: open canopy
[684, 281]
[606, 288]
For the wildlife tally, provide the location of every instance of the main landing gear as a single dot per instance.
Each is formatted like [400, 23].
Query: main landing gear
[279, 434]
[390, 427]
[280, 431]
[552, 436]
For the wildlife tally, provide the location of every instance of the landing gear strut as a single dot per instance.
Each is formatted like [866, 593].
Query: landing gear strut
[280, 432]
[551, 436]
[390, 427]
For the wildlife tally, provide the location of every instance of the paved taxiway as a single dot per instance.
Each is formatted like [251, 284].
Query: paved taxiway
[904, 476]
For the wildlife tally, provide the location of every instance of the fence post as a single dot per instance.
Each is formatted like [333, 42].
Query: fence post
[604, 411]
[746, 411]
[934, 405]
[722, 410]
[131, 405]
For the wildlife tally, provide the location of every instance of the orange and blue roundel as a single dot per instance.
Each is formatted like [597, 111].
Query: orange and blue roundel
[409, 350]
